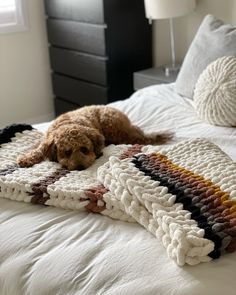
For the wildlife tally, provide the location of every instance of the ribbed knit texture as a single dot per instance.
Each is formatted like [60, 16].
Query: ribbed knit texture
[185, 195]
[215, 92]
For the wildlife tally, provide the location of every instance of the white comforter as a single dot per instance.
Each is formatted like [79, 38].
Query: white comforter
[50, 251]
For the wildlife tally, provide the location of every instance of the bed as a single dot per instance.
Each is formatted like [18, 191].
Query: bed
[45, 250]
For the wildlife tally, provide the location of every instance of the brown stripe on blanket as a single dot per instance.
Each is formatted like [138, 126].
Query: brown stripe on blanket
[40, 194]
[131, 151]
[95, 196]
[9, 170]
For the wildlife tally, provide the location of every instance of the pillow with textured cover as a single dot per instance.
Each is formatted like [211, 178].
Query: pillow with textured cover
[213, 39]
[215, 92]
[185, 194]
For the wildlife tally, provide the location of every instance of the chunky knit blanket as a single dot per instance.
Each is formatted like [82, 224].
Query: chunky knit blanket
[185, 195]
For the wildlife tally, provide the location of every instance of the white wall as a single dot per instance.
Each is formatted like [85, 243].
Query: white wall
[25, 85]
[186, 27]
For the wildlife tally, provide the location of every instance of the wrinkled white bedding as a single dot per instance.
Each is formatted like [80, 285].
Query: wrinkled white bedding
[50, 251]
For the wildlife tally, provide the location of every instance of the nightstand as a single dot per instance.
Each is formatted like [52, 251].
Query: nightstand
[152, 76]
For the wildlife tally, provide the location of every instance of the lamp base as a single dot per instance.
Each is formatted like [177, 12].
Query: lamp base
[171, 69]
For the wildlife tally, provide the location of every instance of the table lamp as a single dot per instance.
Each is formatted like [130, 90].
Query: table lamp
[161, 9]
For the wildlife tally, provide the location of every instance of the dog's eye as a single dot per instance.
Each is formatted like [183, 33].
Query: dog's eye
[84, 150]
[68, 153]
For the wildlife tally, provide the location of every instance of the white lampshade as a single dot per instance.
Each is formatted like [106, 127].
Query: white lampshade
[158, 9]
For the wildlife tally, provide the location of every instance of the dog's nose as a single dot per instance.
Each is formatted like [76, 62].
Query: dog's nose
[80, 167]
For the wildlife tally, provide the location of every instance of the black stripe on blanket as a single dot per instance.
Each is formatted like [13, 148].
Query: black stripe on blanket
[142, 162]
[9, 131]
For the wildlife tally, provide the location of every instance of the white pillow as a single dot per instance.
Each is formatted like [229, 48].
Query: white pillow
[215, 92]
[213, 40]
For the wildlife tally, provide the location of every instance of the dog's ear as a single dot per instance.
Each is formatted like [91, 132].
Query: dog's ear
[51, 153]
[48, 148]
[98, 140]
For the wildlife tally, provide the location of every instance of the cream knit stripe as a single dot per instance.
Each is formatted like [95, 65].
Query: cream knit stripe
[114, 209]
[207, 160]
[180, 235]
[18, 185]
[68, 191]
[18, 145]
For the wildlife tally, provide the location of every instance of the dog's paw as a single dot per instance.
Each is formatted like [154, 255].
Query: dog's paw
[24, 161]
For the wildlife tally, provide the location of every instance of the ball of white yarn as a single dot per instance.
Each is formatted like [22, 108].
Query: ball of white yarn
[215, 92]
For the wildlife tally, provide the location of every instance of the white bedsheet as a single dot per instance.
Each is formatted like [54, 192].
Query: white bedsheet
[159, 107]
[51, 251]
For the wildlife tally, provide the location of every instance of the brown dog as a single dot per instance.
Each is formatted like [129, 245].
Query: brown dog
[75, 139]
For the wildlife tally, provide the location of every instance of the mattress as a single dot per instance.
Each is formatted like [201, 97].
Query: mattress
[51, 251]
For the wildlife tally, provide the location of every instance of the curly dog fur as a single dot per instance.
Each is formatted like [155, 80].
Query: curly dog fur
[75, 139]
